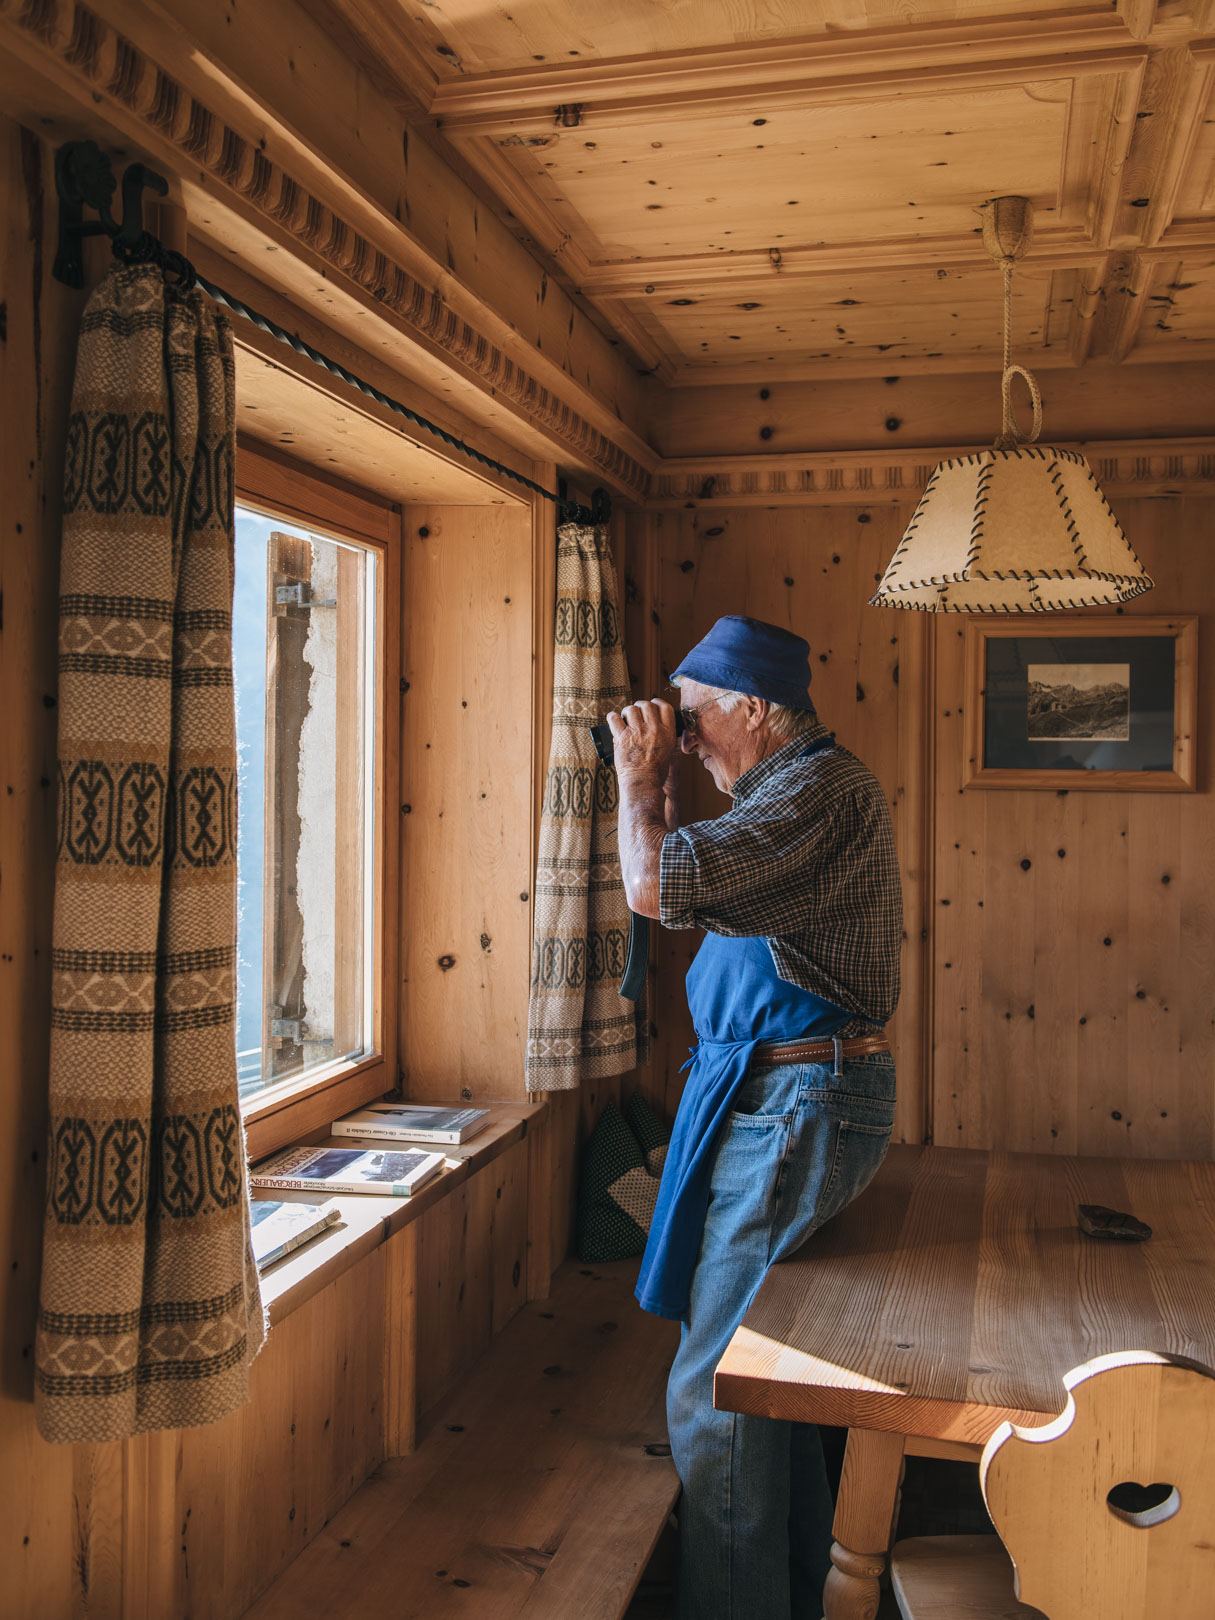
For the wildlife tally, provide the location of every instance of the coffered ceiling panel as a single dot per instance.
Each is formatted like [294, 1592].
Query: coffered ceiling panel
[1172, 312]
[471, 36]
[880, 169]
[945, 320]
[738, 189]
[1195, 197]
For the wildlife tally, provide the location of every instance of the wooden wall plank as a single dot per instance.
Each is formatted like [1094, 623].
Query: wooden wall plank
[563, 1129]
[401, 1342]
[466, 836]
[1099, 401]
[468, 1248]
[508, 1218]
[100, 1496]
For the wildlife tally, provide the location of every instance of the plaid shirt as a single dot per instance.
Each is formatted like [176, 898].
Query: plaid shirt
[805, 857]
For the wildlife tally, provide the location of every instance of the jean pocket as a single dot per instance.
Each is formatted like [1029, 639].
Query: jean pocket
[767, 1098]
[860, 1147]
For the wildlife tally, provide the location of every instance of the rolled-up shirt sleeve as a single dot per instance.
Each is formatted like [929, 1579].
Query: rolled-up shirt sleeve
[752, 871]
[676, 882]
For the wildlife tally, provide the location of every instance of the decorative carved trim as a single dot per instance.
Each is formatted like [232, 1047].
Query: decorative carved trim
[1128, 467]
[102, 62]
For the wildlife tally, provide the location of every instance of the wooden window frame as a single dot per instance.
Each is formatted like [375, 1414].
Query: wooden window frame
[279, 485]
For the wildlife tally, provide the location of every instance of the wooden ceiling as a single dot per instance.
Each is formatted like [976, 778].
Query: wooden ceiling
[760, 189]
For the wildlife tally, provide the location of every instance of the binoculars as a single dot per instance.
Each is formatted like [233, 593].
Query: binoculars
[601, 736]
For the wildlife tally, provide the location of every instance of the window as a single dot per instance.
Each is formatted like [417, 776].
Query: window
[313, 659]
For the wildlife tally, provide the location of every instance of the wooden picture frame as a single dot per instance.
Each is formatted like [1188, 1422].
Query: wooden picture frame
[1090, 702]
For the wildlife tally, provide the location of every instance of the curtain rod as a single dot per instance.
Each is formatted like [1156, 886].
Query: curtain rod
[83, 176]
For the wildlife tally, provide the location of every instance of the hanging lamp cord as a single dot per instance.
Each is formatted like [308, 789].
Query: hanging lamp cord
[1010, 434]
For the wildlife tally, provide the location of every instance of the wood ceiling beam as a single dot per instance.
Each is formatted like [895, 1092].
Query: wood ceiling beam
[1176, 92]
[842, 90]
[822, 69]
[753, 64]
[1063, 250]
[704, 374]
[390, 44]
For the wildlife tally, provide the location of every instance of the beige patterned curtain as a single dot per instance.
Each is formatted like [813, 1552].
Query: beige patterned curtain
[579, 1027]
[150, 1310]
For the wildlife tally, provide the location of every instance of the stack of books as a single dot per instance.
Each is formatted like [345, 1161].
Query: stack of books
[413, 1122]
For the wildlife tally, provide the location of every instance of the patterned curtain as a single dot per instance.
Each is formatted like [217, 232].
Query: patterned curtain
[579, 1028]
[150, 1310]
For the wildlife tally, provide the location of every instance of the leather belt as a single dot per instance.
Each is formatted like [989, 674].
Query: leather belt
[770, 1053]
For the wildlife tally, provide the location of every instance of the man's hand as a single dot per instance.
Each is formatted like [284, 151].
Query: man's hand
[643, 735]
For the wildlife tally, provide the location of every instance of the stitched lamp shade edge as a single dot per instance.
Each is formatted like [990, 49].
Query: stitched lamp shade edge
[1021, 530]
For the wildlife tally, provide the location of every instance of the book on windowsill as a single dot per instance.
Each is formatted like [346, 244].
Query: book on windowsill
[348, 1170]
[412, 1122]
[279, 1229]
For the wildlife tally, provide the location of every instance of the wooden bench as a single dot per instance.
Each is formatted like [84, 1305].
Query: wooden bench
[539, 1488]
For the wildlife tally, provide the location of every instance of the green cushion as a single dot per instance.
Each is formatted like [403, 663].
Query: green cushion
[618, 1182]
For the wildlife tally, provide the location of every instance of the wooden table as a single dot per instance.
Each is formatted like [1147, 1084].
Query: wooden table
[955, 1293]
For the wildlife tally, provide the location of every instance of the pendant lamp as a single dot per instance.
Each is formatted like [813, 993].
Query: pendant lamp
[1022, 527]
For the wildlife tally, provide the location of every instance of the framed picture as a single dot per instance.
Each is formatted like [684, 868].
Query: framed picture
[1101, 702]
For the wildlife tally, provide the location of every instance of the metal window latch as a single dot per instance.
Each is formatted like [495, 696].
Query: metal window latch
[297, 1032]
[297, 595]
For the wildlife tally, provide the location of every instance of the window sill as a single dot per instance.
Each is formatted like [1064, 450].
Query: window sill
[368, 1221]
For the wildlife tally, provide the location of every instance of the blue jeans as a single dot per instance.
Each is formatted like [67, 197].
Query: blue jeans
[755, 1517]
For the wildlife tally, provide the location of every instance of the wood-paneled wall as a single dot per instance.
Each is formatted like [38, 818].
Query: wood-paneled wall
[1073, 939]
[1059, 948]
[466, 800]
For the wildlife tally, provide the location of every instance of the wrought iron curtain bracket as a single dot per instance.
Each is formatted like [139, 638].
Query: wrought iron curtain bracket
[84, 179]
[599, 511]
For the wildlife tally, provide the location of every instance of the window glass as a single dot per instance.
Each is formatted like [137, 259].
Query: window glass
[304, 638]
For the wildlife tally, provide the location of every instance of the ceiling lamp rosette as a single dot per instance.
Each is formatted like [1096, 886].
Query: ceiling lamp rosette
[1019, 528]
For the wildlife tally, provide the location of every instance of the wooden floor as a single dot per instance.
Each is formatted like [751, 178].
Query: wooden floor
[539, 1488]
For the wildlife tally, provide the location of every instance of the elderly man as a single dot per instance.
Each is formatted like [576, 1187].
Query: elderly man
[788, 1108]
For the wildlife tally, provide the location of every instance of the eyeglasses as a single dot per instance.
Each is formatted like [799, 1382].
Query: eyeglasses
[691, 717]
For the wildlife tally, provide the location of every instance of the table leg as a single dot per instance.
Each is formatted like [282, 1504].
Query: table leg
[864, 1514]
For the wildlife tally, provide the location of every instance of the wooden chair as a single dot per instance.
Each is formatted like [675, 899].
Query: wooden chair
[1072, 1547]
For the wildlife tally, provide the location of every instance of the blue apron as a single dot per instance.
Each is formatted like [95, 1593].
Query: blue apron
[737, 999]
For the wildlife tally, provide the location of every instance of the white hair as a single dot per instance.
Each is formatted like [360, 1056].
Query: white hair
[784, 719]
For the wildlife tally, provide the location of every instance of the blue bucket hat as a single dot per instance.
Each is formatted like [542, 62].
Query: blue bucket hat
[747, 655]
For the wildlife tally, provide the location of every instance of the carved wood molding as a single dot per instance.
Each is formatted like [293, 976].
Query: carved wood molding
[98, 63]
[859, 478]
